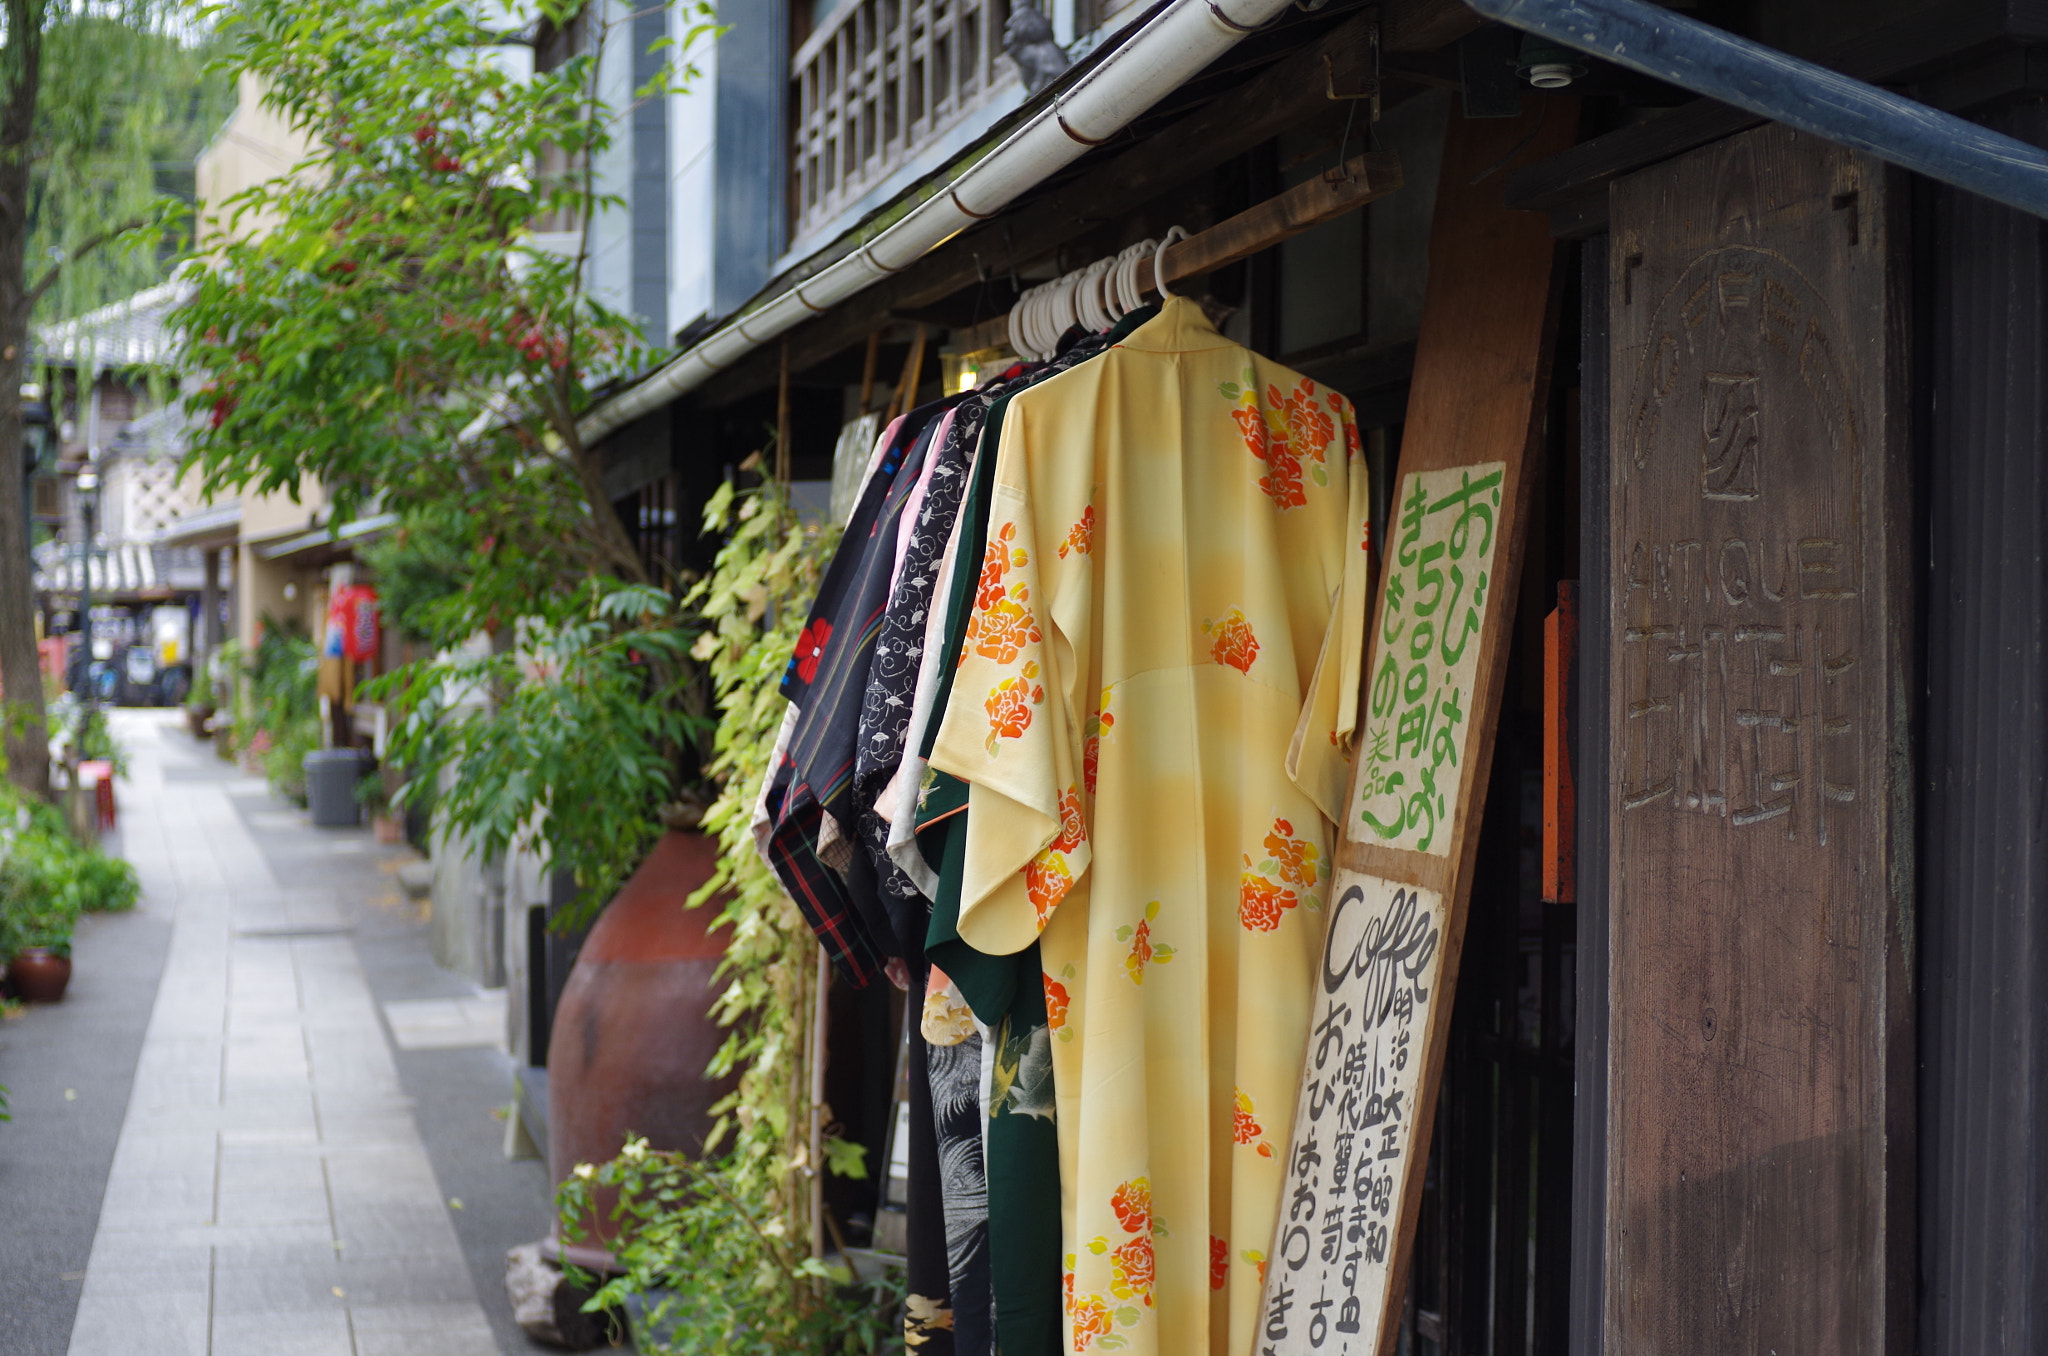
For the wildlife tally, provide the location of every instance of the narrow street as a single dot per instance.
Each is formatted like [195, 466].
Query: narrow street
[295, 1147]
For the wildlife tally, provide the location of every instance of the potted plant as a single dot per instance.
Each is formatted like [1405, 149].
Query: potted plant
[373, 792]
[48, 878]
[38, 933]
[199, 718]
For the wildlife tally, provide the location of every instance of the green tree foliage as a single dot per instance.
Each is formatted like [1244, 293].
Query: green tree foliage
[572, 737]
[66, 66]
[126, 108]
[386, 318]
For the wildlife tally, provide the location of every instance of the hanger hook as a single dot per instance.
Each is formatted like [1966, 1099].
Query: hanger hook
[1173, 233]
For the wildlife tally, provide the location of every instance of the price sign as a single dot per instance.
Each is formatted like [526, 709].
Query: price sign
[1354, 1139]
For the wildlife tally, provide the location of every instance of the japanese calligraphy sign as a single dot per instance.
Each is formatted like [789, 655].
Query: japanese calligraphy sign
[1434, 671]
[1439, 585]
[1330, 1278]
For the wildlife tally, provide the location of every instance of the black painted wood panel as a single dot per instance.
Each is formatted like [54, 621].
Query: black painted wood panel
[1984, 855]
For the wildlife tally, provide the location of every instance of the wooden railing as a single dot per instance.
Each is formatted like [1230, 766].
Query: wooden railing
[875, 84]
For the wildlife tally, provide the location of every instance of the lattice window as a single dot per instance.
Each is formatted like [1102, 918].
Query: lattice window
[875, 84]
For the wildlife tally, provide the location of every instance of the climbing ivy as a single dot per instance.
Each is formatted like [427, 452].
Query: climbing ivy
[769, 561]
[716, 1248]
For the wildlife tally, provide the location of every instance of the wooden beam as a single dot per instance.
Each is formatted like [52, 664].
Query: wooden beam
[1308, 204]
[1565, 184]
[1434, 679]
[1282, 96]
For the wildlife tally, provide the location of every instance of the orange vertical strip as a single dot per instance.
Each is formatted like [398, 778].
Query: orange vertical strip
[1560, 794]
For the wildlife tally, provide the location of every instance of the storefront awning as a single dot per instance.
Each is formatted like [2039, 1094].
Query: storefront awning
[129, 572]
[323, 544]
[210, 528]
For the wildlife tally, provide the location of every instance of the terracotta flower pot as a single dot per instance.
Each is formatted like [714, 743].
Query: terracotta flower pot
[39, 975]
[634, 1033]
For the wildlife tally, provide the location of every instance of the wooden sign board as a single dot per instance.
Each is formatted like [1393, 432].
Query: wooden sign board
[1762, 1085]
[1437, 659]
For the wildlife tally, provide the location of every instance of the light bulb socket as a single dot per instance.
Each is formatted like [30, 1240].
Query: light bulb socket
[1548, 65]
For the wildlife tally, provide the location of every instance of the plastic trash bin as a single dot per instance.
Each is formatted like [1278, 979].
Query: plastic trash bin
[331, 777]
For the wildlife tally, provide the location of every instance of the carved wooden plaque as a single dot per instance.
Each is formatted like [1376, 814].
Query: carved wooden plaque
[1761, 1085]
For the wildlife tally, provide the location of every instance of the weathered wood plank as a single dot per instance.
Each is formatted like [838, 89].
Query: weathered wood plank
[1761, 1095]
[1437, 664]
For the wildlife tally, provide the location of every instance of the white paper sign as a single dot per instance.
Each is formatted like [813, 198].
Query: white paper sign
[1353, 1148]
[1425, 661]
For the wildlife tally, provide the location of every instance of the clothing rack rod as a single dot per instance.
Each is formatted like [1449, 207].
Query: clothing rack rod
[1327, 196]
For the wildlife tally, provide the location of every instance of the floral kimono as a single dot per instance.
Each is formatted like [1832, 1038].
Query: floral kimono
[1153, 711]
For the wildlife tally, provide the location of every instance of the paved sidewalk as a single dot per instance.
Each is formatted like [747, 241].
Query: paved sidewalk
[270, 1191]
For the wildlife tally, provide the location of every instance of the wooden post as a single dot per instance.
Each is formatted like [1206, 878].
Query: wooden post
[208, 638]
[1438, 658]
[782, 418]
[1760, 1113]
[905, 395]
[867, 372]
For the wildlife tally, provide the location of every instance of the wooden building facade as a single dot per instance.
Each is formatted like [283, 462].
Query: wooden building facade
[1749, 1049]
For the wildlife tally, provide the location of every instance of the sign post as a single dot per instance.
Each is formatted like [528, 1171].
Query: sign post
[1437, 657]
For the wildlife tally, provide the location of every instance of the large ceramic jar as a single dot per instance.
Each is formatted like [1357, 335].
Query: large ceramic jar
[634, 1033]
[39, 975]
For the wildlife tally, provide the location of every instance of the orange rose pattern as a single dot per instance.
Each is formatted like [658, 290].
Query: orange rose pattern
[1081, 536]
[1091, 747]
[1130, 1269]
[1262, 903]
[1090, 1316]
[1046, 882]
[1002, 625]
[1132, 1202]
[1009, 706]
[1231, 641]
[1049, 875]
[1245, 1127]
[1219, 1262]
[1288, 431]
[1144, 951]
[1073, 832]
[1141, 952]
[1286, 877]
[1057, 1000]
[1002, 632]
[1294, 858]
[997, 560]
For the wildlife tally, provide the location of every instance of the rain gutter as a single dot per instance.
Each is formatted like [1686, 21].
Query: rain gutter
[1157, 59]
[1715, 63]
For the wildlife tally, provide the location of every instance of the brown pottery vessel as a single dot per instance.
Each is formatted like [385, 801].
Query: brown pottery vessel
[634, 1032]
[39, 975]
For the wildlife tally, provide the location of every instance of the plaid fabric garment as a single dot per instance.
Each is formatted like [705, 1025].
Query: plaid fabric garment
[827, 679]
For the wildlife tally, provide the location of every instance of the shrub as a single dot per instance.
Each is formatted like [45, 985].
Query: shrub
[48, 878]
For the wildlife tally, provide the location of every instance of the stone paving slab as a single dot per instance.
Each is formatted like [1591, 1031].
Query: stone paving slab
[270, 1194]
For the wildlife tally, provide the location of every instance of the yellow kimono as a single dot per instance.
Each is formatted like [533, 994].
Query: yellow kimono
[1153, 710]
